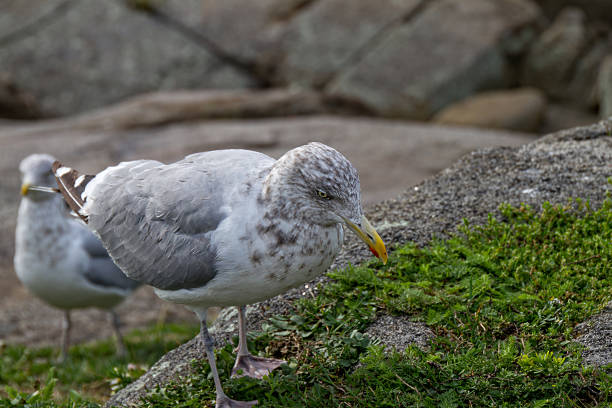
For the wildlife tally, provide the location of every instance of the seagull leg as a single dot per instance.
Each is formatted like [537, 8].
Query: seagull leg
[223, 401]
[252, 366]
[121, 349]
[66, 325]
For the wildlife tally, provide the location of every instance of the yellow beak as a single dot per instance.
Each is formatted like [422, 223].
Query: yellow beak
[25, 187]
[369, 235]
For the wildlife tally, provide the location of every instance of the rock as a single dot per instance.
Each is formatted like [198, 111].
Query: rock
[444, 53]
[559, 116]
[582, 89]
[90, 54]
[251, 31]
[573, 163]
[550, 60]
[17, 17]
[15, 104]
[604, 85]
[595, 9]
[596, 335]
[399, 332]
[520, 109]
[161, 108]
[324, 37]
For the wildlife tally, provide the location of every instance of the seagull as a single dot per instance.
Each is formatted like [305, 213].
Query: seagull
[224, 228]
[57, 258]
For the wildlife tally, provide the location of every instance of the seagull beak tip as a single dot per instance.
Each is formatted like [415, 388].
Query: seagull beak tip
[368, 234]
[25, 187]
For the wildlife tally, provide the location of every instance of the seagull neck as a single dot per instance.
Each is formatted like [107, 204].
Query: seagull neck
[33, 212]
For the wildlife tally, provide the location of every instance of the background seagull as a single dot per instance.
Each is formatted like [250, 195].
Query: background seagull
[57, 257]
[222, 228]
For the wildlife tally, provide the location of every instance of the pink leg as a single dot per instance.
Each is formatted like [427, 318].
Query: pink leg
[223, 401]
[252, 366]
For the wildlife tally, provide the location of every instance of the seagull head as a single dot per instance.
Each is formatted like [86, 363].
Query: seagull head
[326, 186]
[37, 179]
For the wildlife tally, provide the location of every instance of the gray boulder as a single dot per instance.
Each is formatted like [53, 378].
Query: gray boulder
[250, 31]
[572, 163]
[448, 51]
[90, 53]
[19, 18]
[327, 36]
[582, 88]
[550, 61]
[595, 9]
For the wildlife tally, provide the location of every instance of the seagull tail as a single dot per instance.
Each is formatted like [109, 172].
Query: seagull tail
[71, 185]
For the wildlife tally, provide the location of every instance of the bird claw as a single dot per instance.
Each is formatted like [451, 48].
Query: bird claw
[255, 367]
[226, 402]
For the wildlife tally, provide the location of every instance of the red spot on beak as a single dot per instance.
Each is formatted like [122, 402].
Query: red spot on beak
[374, 252]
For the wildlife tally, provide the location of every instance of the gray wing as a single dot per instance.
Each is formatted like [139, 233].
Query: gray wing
[93, 246]
[157, 221]
[102, 270]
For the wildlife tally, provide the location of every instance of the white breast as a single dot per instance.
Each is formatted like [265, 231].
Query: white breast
[50, 261]
[243, 278]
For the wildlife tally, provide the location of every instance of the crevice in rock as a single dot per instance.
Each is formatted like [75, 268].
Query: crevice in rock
[36, 24]
[358, 55]
[246, 67]
[289, 13]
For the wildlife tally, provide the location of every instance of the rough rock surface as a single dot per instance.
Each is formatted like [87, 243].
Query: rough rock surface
[448, 51]
[572, 163]
[399, 332]
[519, 109]
[400, 155]
[94, 53]
[596, 335]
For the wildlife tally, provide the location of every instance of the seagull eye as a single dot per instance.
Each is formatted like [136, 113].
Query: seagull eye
[323, 194]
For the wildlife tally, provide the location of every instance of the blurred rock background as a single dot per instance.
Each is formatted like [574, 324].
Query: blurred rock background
[408, 59]
[96, 82]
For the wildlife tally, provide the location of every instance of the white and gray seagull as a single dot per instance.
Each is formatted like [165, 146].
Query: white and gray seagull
[57, 257]
[224, 228]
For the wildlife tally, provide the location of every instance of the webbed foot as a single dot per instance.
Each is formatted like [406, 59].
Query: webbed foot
[255, 367]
